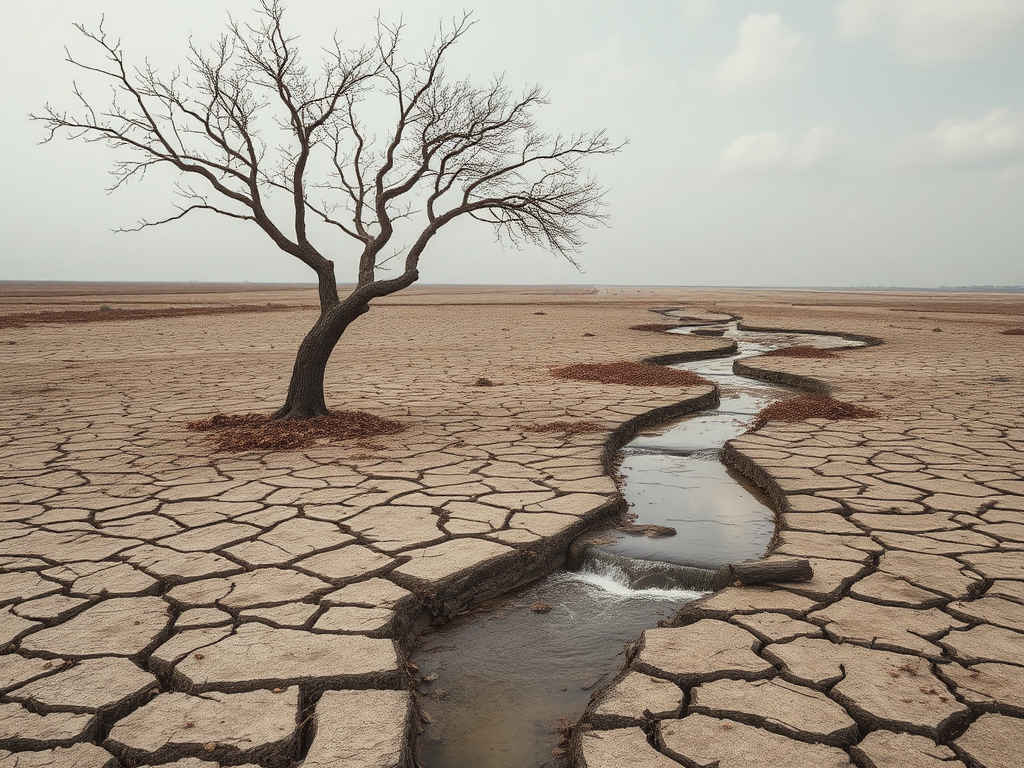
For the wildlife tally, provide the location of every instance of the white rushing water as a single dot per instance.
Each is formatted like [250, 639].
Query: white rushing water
[616, 581]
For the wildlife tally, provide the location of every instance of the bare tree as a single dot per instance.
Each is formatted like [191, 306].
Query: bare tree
[250, 125]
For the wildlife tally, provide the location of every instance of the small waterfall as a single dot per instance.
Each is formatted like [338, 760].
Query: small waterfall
[620, 573]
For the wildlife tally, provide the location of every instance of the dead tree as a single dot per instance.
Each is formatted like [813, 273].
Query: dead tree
[252, 130]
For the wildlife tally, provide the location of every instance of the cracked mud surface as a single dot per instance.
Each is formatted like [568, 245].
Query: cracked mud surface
[162, 604]
[906, 647]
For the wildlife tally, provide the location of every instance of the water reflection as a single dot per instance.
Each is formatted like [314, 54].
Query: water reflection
[719, 520]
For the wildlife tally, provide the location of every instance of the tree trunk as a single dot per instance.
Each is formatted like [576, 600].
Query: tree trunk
[306, 389]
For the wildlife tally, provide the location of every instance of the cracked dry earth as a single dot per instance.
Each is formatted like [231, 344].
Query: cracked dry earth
[162, 604]
[907, 647]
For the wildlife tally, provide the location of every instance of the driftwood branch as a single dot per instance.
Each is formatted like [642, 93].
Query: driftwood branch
[766, 572]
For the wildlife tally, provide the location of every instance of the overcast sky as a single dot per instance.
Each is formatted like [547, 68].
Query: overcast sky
[785, 143]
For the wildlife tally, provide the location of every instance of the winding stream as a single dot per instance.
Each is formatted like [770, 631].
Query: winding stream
[500, 681]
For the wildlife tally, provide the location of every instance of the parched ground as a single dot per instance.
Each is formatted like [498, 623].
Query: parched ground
[907, 647]
[161, 601]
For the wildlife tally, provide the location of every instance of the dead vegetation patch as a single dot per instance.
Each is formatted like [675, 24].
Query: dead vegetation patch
[811, 405]
[656, 327]
[106, 314]
[566, 427]
[28, 391]
[802, 351]
[261, 432]
[637, 374]
[1013, 332]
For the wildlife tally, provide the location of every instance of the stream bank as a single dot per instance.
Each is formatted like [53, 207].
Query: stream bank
[500, 681]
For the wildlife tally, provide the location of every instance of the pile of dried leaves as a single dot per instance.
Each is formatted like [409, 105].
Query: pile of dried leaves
[637, 374]
[566, 427]
[811, 406]
[802, 351]
[659, 327]
[260, 432]
[106, 314]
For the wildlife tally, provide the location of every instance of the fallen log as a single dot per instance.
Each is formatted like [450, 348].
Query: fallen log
[766, 571]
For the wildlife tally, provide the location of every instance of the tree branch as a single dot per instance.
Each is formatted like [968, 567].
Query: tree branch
[251, 121]
[182, 212]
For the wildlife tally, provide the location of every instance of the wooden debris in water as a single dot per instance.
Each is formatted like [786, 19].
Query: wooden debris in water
[649, 530]
[770, 571]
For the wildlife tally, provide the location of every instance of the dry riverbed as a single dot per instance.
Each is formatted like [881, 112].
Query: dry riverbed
[160, 600]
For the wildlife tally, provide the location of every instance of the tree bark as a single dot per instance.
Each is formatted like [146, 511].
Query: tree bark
[305, 398]
[767, 571]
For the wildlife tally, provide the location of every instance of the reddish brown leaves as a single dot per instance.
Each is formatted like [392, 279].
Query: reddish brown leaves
[637, 374]
[801, 352]
[811, 406]
[658, 327]
[566, 427]
[21, 319]
[259, 432]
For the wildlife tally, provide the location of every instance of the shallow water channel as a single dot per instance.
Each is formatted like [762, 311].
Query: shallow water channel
[500, 680]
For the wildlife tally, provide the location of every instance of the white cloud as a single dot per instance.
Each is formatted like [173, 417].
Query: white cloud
[757, 152]
[1013, 175]
[820, 145]
[606, 67]
[697, 11]
[766, 50]
[996, 140]
[928, 31]
[772, 153]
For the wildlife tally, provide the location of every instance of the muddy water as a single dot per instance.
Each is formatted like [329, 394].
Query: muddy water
[508, 677]
[500, 681]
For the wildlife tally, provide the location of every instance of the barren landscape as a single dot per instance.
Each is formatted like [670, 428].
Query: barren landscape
[164, 603]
